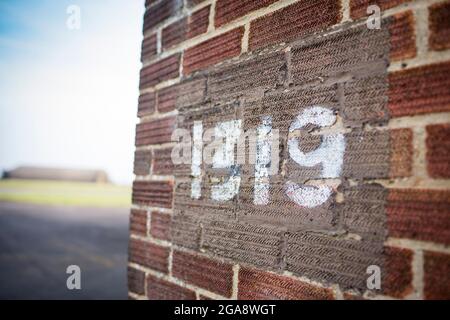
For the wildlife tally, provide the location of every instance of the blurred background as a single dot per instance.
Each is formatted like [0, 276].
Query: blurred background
[69, 73]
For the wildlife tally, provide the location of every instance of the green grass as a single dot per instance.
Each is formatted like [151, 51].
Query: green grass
[65, 193]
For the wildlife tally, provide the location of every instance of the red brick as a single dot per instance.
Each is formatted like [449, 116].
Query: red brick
[261, 285]
[160, 12]
[299, 19]
[358, 8]
[148, 255]
[436, 276]
[420, 90]
[155, 131]
[167, 98]
[438, 150]
[403, 37]
[149, 47]
[164, 69]
[159, 289]
[351, 296]
[212, 51]
[174, 33]
[401, 160]
[419, 214]
[229, 10]
[203, 272]
[439, 19]
[136, 281]
[153, 193]
[160, 226]
[397, 276]
[147, 104]
[142, 162]
[162, 162]
[186, 28]
[138, 222]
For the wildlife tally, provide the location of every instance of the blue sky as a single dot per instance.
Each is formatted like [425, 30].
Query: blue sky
[68, 98]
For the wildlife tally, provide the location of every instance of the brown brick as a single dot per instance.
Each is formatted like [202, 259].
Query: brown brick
[212, 275]
[261, 285]
[358, 8]
[299, 19]
[153, 193]
[403, 38]
[136, 281]
[212, 51]
[438, 150]
[420, 90]
[174, 33]
[160, 226]
[198, 22]
[161, 11]
[162, 162]
[148, 255]
[351, 296]
[243, 242]
[436, 276]
[229, 10]
[164, 69]
[147, 104]
[439, 19]
[142, 162]
[419, 214]
[155, 131]
[185, 231]
[398, 276]
[186, 28]
[330, 259]
[189, 92]
[159, 289]
[149, 47]
[138, 222]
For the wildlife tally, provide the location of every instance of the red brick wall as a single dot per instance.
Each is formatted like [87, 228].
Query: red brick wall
[216, 60]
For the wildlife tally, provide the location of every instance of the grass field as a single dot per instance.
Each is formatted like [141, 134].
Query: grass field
[65, 193]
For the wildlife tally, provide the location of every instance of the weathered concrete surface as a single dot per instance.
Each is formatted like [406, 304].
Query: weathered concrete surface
[37, 243]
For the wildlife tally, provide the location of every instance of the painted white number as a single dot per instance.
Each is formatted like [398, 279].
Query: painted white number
[330, 154]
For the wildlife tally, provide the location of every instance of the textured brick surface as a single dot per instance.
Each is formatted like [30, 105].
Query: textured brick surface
[149, 47]
[149, 255]
[152, 193]
[161, 11]
[212, 51]
[203, 272]
[403, 39]
[439, 20]
[191, 3]
[259, 285]
[164, 69]
[229, 10]
[160, 289]
[419, 214]
[147, 104]
[398, 275]
[138, 222]
[436, 276]
[438, 150]
[185, 28]
[358, 8]
[142, 162]
[299, 19]
[155, 131]
[160, 225]
[162, 161]
[136, 281]
[420, 90]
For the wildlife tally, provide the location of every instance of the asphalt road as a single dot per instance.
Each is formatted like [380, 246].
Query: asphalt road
[37, 243]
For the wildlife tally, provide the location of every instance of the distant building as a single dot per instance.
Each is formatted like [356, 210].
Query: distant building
[61, 174]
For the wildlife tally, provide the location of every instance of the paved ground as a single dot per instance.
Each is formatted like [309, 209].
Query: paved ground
[37, 243]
